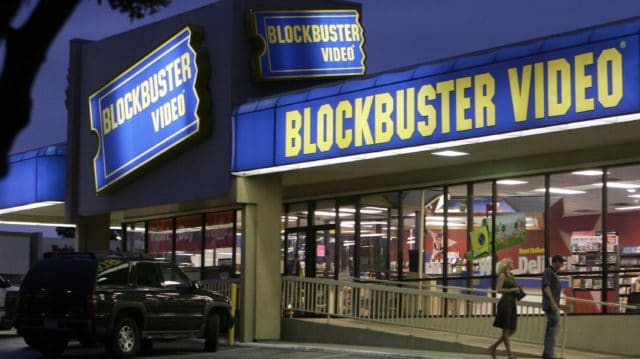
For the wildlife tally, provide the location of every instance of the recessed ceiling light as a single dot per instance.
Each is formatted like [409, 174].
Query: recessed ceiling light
[588, 173]
[510, 182]
[29, 206]
[449, 153]
[560, 190]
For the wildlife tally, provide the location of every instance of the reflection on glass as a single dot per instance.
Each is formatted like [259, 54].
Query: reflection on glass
[218, 240]
[376, 233]
[189, 242]
[346, 243]
[135, 237]
[160, 243]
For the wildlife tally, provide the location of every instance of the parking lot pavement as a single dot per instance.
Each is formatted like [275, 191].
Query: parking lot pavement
[13, 347]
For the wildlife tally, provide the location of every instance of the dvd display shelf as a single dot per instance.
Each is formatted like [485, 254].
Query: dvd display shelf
[629, 276]
[586, 262]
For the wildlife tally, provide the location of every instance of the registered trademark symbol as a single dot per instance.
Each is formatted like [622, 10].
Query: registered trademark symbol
[623, 44]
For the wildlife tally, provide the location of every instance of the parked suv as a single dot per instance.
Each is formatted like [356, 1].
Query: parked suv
[122, 302]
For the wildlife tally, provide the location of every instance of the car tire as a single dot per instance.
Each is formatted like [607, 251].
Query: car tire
[125, 340]
[50, 347]
[212, 332]
[29, 340]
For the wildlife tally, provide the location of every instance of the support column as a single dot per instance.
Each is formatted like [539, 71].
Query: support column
[260, 282]
[93, 233]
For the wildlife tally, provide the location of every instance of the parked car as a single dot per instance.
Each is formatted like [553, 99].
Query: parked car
[122, 302]
[8, 295]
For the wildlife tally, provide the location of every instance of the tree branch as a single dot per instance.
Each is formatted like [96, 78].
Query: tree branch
[26, 48]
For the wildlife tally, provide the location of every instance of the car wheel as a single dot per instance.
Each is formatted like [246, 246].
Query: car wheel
[50, 347]
[125, 340]
[212, 333]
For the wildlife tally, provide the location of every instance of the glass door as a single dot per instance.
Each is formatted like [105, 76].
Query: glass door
[295, 252]
[325, 245]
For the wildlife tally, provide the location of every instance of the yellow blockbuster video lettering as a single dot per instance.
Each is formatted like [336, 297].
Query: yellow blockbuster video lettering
[536, 91]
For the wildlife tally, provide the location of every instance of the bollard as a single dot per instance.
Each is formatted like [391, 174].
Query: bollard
[234, 297]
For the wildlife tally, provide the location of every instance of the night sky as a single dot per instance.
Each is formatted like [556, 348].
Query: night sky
[430, 30]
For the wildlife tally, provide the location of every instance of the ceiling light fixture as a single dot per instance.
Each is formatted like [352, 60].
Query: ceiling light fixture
[449, 153]
[588, 173]
[510, 182]
[29, 206]
[560, 190]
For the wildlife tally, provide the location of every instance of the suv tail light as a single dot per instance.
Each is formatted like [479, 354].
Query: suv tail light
[92, 303]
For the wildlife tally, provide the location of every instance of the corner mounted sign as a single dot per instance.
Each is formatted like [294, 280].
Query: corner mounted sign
[151, 108]
[307, 43]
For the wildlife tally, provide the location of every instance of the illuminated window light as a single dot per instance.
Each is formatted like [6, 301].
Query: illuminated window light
[449, 153]
[619, 185]
[29, 206]
[627, 208]
[560, 191]
[510, 182]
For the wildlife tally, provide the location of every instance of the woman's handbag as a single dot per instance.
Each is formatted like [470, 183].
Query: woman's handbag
[520, 294]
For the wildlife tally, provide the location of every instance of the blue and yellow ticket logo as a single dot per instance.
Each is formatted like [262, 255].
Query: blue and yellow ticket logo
[308, 43]
[149, 109]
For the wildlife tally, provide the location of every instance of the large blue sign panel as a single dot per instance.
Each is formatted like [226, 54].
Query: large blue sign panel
[148, 110]
[591, 81]
[308, 43]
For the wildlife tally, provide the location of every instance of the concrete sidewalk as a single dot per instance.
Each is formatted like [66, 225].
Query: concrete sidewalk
[403, 342]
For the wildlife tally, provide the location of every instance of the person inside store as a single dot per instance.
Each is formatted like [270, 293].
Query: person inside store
[506, 314]
[551, 303]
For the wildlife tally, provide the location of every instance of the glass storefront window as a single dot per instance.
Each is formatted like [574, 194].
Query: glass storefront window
[160, 239]
[324, 212]
[575, 220]
[238, 247]
[376, 234]
[346, 239]
[218, 240]
[189, 242]
[457, 229]
[520, 228]
[135, 237]
[623, 242]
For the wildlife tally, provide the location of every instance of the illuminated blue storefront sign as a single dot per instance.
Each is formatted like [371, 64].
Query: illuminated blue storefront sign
[149, 109]
[494, 93]
[308, 43]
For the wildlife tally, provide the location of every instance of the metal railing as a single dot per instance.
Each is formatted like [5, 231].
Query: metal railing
[460, 310]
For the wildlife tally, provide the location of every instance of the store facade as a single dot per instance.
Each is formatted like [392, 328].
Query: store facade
[190, 143]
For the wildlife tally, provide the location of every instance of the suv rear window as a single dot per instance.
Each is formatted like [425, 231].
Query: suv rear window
[61, 273]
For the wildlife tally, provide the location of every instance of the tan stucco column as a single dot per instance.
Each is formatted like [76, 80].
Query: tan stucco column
[93, 233]
[260, 284]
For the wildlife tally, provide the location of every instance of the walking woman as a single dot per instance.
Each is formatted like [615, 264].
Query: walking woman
[506, 316]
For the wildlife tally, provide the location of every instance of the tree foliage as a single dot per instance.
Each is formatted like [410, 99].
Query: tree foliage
[26, 48]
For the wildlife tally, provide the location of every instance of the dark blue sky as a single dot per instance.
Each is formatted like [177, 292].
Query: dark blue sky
[428, 30]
